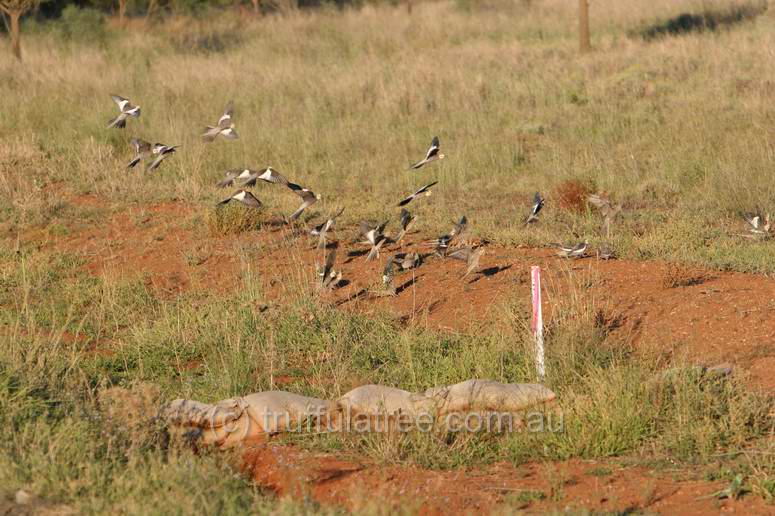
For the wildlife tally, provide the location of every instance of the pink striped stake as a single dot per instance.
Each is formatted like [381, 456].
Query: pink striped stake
[537, 323]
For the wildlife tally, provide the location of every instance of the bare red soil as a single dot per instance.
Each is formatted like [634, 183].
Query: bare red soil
[720, 317]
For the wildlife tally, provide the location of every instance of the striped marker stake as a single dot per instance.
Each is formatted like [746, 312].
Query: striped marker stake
[537, 323]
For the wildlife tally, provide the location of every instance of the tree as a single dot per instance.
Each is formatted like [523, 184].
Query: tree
[584, 43]
[15, 9]
[121, 11]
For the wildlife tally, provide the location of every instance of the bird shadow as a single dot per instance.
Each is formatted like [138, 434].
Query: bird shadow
[361, 293]
[407, 284]
[490, 271]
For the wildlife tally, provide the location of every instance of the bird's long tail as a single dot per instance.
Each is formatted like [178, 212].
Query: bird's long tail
[119, 122]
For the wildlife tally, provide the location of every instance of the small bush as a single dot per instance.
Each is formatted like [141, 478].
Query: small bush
[572, 195]
[232, 220]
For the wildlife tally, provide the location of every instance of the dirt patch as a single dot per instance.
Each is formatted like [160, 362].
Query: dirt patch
[592, 485]
[726, 317]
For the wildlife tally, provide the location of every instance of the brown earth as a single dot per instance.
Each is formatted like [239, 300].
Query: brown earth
[717, 317]
[591, 485]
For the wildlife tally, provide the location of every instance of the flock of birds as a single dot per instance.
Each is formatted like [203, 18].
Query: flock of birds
[455, 244]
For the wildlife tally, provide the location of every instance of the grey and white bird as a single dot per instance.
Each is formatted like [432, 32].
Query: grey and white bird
[224, 127]
[268, 175]
[235, 176]
[308, 198]
[576, 251]
[161, 152]
[407, 261]
[432, 155]
[126, 108]
[608, 210]
[538, 204]
[143, 151]
[243, 197]
[424, 190]
[328, 278]
[469, 255]
[374, 235]
[407, 219]
[441, 244]
[606, 252]
[321, 230]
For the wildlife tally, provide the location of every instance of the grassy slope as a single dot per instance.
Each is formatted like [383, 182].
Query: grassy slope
[342, 102]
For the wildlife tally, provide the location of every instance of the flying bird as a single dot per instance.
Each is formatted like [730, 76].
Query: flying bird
[162, 152]
[407, 219]
[126, 109]
[469, 255]
[375, 236]
[433, 154]
[424, 190]
[308, 198]
[575, 251]
[538, 203]
[607, 210]
[321, 230]
[758, 227]
[461, 231]
[269, 175]
[143, 150]
[234, 176]
[243, 197]
[224, 127]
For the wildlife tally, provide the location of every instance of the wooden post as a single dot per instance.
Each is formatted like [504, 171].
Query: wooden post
[584, 42]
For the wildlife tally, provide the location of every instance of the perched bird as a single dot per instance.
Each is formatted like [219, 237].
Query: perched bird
[234, 176]
[576, 251]
[308, 198]
[407, 219]
[441, 244]
[758, 229]
[607, 210]
[328, 278]
[375, 236]
[538, 203]
[433, 154]
[161, 151]
[424, 190]
[606, 252]
[407, 261]
[321, 230]
[143, 150]
[224, 127]
[469, 255]
[244, 197]
[387, 279]
[126, 109]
